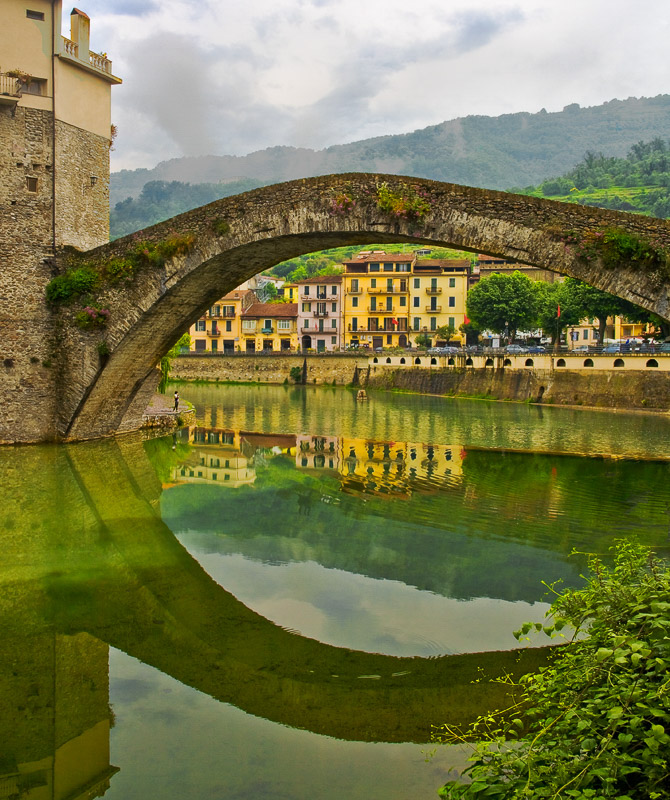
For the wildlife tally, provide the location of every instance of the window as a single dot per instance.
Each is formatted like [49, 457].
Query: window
[31, 184]
[306, 307]
[333, 323]
[388, 267]
[354, 323]
[585, 334]
[215, 346]
[229, 311]
[35, 15]
[433, 283]
[333, 289]
[321, 292]
[229, 325]
[452, 283]
[452, 322]
[433, 323]
[284, 324]
[333, 339]
[354, 284]
[374, 267]
[373, 304]
[402, 268]
[403, 301]
[267, 323]
[305, 291]
[354, 302]
[200, 325]
[373, 283]
[249, 324]
[200, 344]
[389, 304]
[417, 323]
[416, 302]
[333, 307]
[417, 283]
[389, 284]
[452, 302]
[389, 340]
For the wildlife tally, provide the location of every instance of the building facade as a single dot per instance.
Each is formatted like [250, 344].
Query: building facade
[391, 298]
[320, 313]
[219, 330]
[269, 327]
[55, 136]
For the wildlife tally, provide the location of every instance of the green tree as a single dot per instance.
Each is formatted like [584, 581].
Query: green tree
[551, 297]
[594, 723]
[183, 343]
[503, 303]
[592, 302]
[445, 332]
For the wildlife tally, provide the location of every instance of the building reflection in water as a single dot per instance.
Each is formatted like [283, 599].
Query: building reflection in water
[230, 458]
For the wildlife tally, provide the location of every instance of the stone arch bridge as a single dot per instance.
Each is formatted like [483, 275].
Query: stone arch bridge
[236, 237]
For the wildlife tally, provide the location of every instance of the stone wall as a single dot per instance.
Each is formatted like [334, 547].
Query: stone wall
[594, 388]
[26, 247]
[339, 369]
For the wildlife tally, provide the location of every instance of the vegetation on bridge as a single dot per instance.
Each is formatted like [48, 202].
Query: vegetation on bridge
[593, 723]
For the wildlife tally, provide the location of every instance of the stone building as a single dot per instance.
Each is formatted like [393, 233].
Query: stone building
[55, 136]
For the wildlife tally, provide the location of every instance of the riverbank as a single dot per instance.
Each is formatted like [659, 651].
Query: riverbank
[160, 414]
[609, 389]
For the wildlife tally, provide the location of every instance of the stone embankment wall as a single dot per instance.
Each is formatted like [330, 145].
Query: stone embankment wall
[599, 388]
[339, 369]
[595, 388]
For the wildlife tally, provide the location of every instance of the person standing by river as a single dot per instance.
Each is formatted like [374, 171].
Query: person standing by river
[176, 401]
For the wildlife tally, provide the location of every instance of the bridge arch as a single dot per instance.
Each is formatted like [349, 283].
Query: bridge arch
[234, 238]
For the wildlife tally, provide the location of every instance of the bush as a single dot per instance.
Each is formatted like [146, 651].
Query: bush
[595, 722]
[71, 284]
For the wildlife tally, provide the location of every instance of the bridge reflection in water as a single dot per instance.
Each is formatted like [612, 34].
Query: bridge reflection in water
[88, 563]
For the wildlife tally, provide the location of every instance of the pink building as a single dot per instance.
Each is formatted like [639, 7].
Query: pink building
[320, 313]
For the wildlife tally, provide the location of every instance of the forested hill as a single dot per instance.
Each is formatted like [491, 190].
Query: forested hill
[640, 182]
[491, 152]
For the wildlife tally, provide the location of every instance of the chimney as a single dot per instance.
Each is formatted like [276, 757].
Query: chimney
[80, 32]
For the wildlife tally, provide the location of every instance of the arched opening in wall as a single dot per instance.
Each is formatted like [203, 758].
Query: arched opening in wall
[652, 363]
[560, 362]
[618, 362]
[402, 340]
[306, 342]
[489, 362]
[417, 361]
[433, 361]
[588, 362]
[468, 362]
[529, 362]
[450, 362]
[388, 360]
[507, 362]
[375, 360]
[402, 360]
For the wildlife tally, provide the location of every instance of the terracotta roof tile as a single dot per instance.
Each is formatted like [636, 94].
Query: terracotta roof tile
[272, 310]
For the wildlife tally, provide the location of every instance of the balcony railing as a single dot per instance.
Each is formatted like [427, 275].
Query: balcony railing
[267, 330]
[98, 61]
[433, 309]
[9, 85]
[388, 290]
[433, 290]
[320, 313]
[383, 310]
[354, 291]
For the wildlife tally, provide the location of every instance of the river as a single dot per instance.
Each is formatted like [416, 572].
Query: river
[284, 599]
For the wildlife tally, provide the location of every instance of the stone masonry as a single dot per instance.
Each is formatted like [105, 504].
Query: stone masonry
[237, 237]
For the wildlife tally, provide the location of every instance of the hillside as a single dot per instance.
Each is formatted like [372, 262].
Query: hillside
[491, 152]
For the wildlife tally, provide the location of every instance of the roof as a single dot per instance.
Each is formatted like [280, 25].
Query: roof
[464, 263]
[272, 310]
[482, 257]
[237, 294]
[366, 258]
[322, 279]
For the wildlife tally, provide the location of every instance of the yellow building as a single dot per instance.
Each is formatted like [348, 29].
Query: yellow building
[289, 291]
[391, 298]
[269, 327]
[217, 457]
[219, 330]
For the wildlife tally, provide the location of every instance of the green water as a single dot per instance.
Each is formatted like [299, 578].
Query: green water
[281, 601]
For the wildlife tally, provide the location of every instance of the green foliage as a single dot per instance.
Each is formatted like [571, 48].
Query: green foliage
[103, 349]
[445, 332]
[409, 203]
[551, 296]
[92, 317]
[72, 284]
[220, 227]
[183, 343]
[296, 374]
[503, 303]
[595, 722]
[422, 340]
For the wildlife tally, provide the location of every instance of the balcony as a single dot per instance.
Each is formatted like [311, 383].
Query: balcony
[354, 291]
[267, 330]
[434, 290]
[386, 310]
[389, 290]
[10, 89]
[215, 332]
[97, 63]
[310, 327]
[320, 313]
[433, 309]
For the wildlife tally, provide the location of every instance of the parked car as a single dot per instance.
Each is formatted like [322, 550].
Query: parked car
[515, 349]
[536, 348]
[610, 348]
[581, 348]
[447, 350]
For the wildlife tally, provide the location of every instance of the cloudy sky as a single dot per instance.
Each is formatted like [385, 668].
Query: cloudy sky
[222, 77]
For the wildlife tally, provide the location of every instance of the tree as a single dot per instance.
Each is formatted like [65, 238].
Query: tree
[183, 343]
[503, 303]
[593, 302]
[445, 332]
[271, 292]
[551, 297]
[594, 722]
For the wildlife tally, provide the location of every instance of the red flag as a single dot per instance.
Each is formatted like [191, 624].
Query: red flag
[466, 319]
[559, 312]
